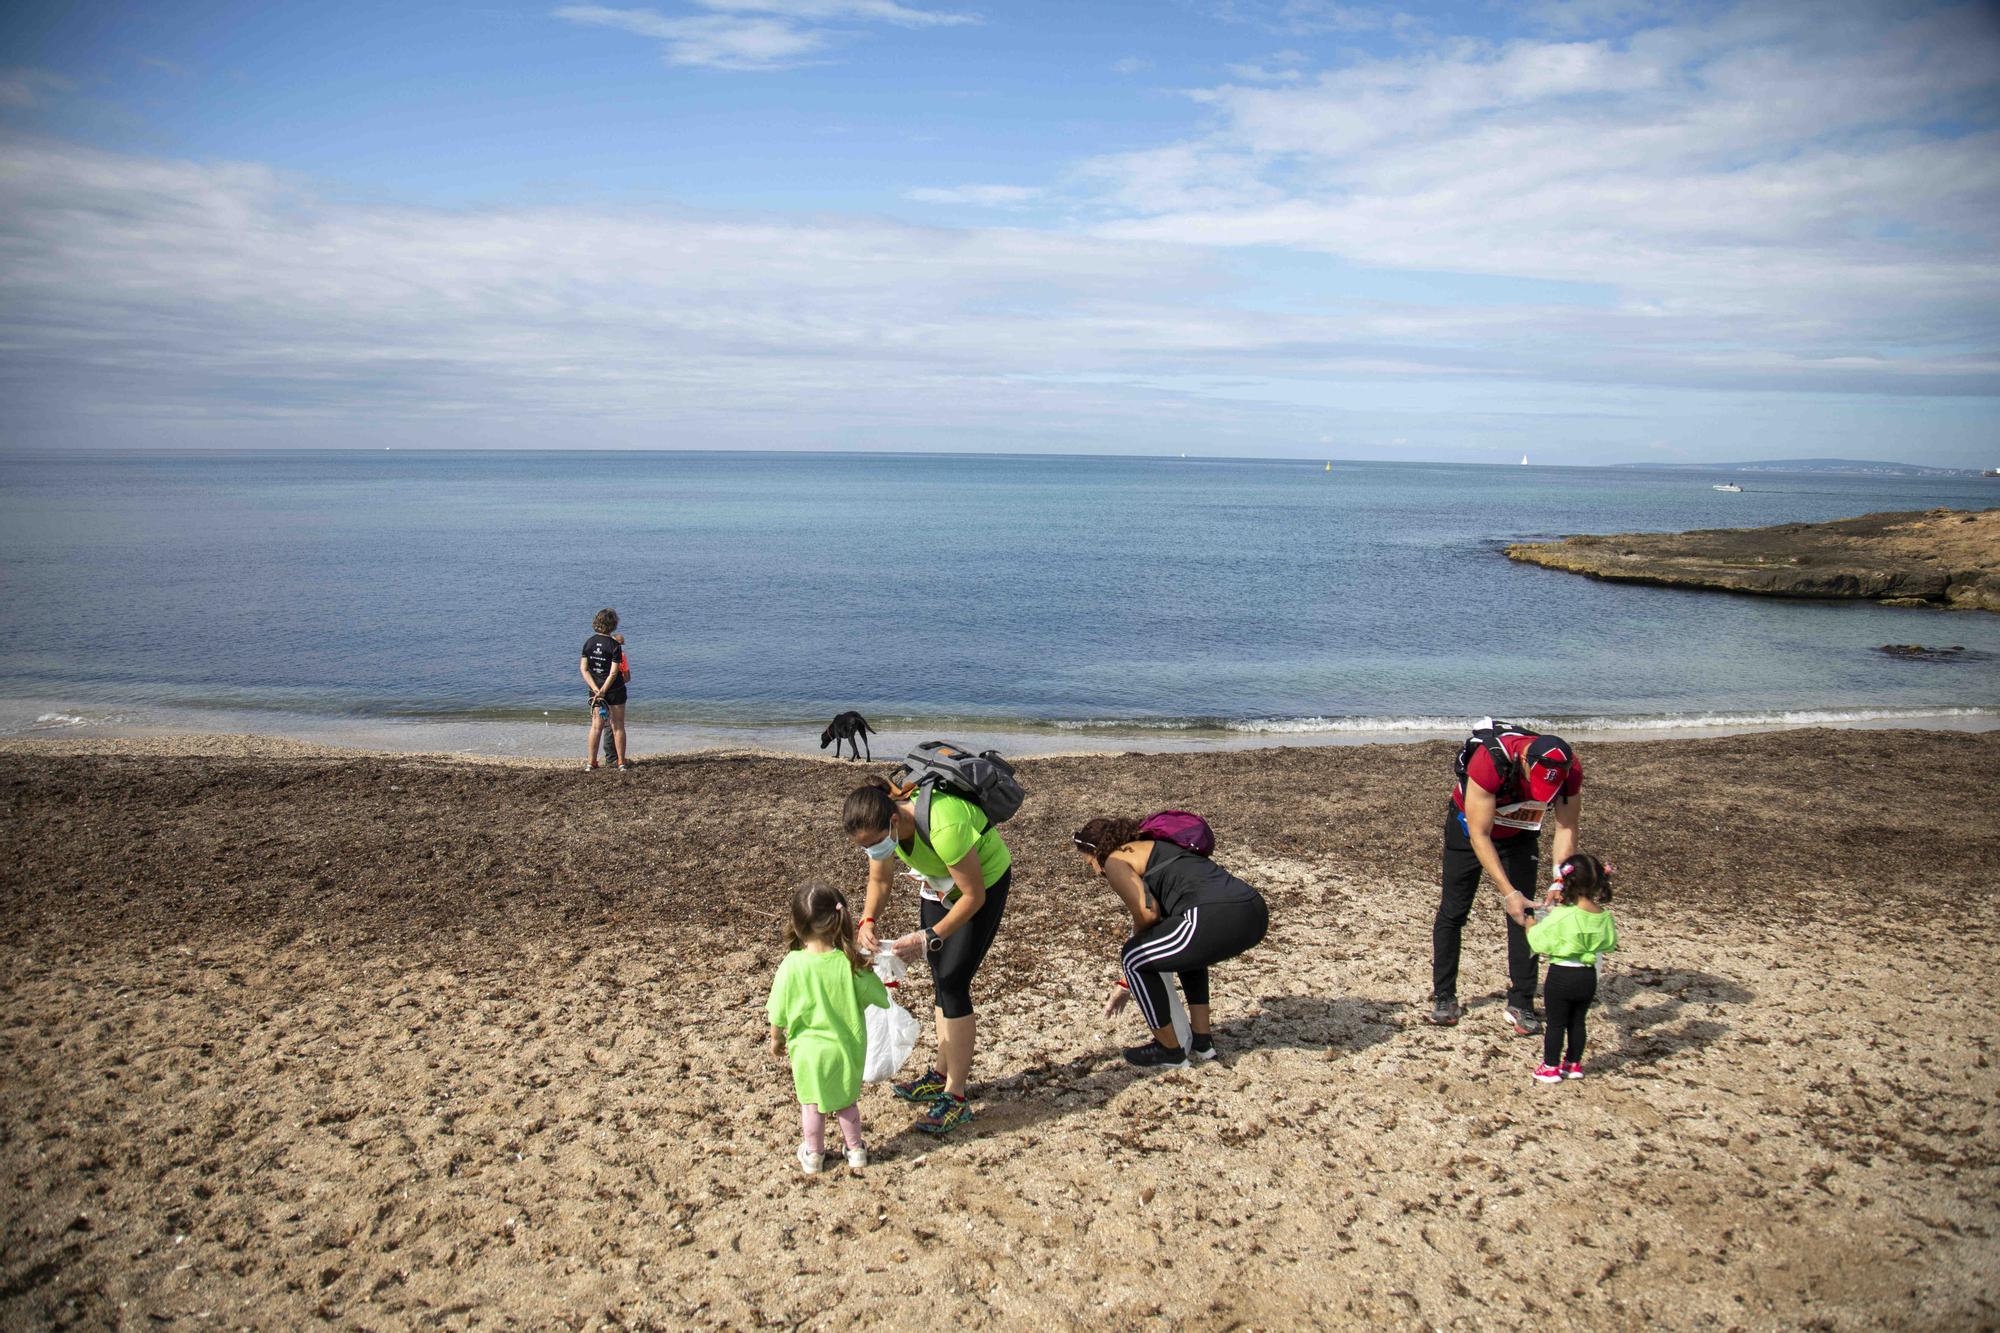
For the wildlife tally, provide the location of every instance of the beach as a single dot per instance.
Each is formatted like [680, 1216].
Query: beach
[296, 1036]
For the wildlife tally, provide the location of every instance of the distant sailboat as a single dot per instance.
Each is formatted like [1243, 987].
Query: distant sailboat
[1329, 467]
[1524, 460]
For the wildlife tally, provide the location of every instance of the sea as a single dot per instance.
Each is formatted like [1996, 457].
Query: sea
[437, 601]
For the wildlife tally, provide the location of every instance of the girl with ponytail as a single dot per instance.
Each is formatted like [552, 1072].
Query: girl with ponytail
[1573, 936]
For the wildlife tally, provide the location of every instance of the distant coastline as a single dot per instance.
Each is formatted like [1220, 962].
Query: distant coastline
[1833, 467]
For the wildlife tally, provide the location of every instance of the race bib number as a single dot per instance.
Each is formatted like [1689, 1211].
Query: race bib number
[1523, 815]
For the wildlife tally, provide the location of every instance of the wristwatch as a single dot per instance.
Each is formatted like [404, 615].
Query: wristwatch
[931, 940]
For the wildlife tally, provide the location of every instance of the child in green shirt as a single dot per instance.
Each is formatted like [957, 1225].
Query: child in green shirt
[818, 1001]
[1572, 936]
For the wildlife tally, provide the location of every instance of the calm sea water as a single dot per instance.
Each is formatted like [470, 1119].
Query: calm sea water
[1077, 600]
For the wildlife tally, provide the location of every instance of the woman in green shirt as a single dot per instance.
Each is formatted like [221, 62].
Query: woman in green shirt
[966, 867]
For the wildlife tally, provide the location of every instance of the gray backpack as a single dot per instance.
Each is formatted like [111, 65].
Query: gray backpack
[985, 779]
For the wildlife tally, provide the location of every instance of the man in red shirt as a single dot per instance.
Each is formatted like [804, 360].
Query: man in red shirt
[1494, 825]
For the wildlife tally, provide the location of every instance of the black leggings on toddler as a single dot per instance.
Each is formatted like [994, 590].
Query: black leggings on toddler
[1566, 997]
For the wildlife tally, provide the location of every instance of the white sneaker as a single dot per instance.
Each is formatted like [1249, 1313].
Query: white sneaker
[856, 1158]
[809, 1161]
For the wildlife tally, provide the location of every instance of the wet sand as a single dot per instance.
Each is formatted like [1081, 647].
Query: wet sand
[293, 1036]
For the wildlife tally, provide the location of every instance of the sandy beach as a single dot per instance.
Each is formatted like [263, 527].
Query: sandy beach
[294, 1036]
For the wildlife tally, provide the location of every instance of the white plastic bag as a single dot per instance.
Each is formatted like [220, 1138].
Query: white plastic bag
[892, 1032]
[1176, 1011]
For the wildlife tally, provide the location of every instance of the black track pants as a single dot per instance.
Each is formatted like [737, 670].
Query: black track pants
[1188, 944]
[1565, 1000]
[1520, 857]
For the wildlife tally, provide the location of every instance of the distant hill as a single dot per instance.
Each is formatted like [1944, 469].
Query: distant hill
[1853, 467]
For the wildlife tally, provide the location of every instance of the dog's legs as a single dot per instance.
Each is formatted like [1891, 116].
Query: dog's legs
[864, 741]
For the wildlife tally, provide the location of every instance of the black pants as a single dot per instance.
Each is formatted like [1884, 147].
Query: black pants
[1187, 944]
[1565, 1000]
[1520, 857]
[953, 966]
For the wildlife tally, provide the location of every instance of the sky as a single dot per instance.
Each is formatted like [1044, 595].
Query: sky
[1599, 231]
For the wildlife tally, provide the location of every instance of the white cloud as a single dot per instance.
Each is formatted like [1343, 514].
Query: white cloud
[981, 196]
[27, 87]
[1130, 65]
[1771, 183]
[146, 301]
[754, 34]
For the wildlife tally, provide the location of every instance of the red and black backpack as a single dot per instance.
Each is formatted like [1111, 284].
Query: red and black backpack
[1486, 736]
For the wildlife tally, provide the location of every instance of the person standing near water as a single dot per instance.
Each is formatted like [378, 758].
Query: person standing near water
[1508, 778]
[602, 656]
[966, 869]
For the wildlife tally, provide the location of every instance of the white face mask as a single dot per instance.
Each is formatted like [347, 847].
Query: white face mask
[883, 850]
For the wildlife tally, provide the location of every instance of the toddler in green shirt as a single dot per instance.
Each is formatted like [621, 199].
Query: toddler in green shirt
[1573, 935]
[818, 1005]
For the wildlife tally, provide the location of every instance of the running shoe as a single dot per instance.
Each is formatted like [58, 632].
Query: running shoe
[945, 1114]
[1444, 1011]
[1574, 1069]
[926, 1089]
[1548, 1074]
[1202, 1047]
[809, 1161]
[1155, 1056]
[1525, 1022]
[856, 1158]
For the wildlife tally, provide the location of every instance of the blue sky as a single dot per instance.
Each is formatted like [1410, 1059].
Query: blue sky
[1600, 231]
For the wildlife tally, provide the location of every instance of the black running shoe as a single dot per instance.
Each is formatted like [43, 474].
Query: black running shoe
[1444, 1012]
[1155, 1056]
[1524, 1021]
[1202, 1048]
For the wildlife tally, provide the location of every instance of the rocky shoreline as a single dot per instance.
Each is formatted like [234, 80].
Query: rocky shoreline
[1936, 557]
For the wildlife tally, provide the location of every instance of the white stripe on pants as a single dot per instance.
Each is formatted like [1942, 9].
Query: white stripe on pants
[1153, 951]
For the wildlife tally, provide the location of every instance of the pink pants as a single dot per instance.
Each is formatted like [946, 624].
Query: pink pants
[812, 1126]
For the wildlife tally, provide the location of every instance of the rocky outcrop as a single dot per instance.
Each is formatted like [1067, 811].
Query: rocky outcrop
[1937, 557]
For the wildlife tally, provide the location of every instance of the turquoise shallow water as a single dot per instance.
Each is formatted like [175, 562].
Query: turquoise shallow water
[1088, 599]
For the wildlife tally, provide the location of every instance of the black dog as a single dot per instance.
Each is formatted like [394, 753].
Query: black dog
[845, 728]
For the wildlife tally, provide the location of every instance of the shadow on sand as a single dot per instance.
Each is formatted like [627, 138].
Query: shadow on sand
[1030, 1097]
[1650, 1008]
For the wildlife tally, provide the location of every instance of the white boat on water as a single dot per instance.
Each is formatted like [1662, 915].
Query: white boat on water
[1524, 460]
[1729, 486]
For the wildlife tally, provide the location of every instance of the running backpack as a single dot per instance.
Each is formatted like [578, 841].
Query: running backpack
[985, 779]
[1189, 832]
[1486, 736]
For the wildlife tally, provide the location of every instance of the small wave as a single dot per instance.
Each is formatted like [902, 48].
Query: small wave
[1437, 724]
[78, 720]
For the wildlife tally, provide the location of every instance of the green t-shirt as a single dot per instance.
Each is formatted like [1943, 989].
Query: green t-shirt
[819, 1000]
[957, 826]
[1573, 935]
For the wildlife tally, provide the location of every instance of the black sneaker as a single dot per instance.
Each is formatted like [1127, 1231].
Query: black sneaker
[1155, 1056]
[1444, 1012]
[1201, 1047]
[1525, 1022]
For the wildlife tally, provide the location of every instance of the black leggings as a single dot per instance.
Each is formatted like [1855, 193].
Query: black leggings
[1188, 944]
[1566, 998]
[953, 965]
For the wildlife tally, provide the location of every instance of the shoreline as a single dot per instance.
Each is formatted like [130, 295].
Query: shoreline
[560, 745]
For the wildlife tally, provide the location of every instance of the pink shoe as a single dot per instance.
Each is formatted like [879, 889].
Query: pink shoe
[1548, 1074]
[1574, 1069]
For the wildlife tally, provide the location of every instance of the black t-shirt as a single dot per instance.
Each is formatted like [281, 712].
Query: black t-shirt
[1179, 880]
[602, 654]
